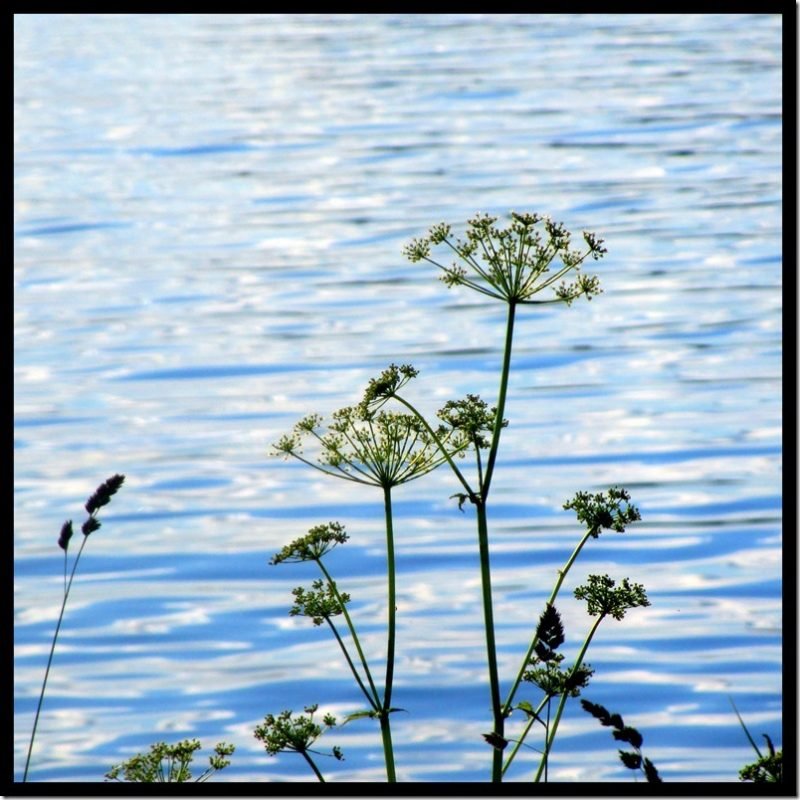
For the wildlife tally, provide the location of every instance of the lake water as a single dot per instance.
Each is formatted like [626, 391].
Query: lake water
[209, 220]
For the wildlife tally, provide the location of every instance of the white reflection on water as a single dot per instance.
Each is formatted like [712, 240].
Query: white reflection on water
[209, 216]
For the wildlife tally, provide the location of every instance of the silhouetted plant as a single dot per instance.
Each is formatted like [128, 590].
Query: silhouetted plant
[169, 763]
[377, 448]
[101, 497]
[768, 768]
[625, 733]
[289, 733]
[603, 598]
[525, 263]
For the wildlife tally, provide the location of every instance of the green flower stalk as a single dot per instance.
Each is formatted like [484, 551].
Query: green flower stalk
[379, 448]
[323, 603]
[101, 497]
[296, 734]
[514, 265]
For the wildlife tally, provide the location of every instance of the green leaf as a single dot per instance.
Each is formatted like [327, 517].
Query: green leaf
[359, 715]
[525, 706]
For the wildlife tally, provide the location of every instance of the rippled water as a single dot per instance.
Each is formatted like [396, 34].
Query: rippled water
[209, 218]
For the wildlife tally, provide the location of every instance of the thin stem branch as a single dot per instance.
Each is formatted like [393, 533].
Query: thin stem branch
[456, 471]
[374, 698]
[350, 663]
[313, 766]
[501, 401]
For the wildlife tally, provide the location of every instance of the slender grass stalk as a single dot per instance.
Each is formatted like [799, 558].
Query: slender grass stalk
[50, 660]
[101, 497]
[744, 727]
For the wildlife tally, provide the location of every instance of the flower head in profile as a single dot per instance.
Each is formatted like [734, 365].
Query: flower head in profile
[514, 263]
[470, 420]
[319, 540]
[386, 386]
[384, 448]
[611, 510]
[289, 733]
[319, 603]
[605, 598]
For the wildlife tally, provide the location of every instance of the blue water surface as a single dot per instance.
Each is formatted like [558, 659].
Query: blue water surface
[210, 212]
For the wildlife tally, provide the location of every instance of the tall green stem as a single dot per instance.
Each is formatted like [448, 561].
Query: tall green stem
[491, 646]
[386, 732]
[501, 400]
[563, 700]
[483, 545]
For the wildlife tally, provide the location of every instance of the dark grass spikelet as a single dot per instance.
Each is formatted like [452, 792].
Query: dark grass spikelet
[90, 526]
[625, 733]
[104, 492]
[65, 535]
[550, 633]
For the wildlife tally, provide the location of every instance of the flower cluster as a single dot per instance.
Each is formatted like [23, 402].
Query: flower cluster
[603, 597]
[384, 449]
[513, 263]
[554, 681]
[386, 385]
[169, 763]
[470, 418]
[294, 734]
[612, 510]
[320, 603]
[319, 540]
